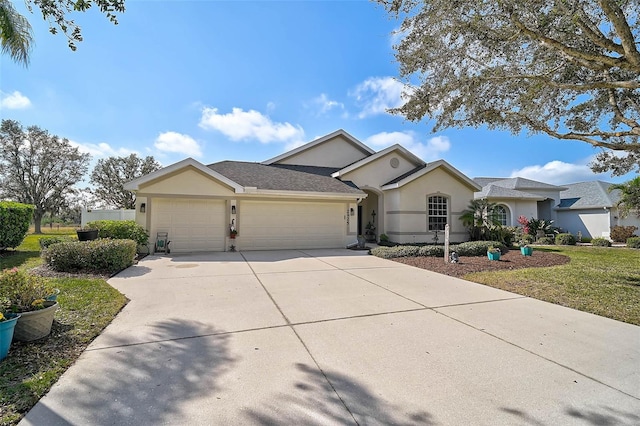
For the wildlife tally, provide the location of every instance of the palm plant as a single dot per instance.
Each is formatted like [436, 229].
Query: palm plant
[16, 35]
[480, 218]
[629, 196]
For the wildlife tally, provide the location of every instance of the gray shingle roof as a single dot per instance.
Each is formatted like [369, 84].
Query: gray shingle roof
[402, 176]
[516, 183]
[586, 195]
[279, 178]
[494, 191]
[314, 170]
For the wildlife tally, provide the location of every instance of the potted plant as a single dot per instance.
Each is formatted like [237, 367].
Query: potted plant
[232, 233]
[26, 295]
[370, 232]
[493, 253]
[7, 326]
[525, 249]
[87, 233]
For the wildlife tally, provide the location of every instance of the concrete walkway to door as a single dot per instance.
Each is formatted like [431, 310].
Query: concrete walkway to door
[320, 337]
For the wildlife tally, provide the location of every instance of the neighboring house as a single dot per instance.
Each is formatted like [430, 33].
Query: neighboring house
[320, 195]
[585, 207]
[589, 207]
[518, 196]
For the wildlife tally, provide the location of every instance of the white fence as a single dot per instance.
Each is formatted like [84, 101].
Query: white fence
[122, 214]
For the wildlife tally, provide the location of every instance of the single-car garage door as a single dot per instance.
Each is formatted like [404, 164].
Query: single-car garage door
[192, 224]
[291, 225]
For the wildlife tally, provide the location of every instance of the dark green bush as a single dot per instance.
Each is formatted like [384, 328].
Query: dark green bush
[431, 251]
[384, 238]
[601, 242]
[620, 234]
[633, 242]
[15, 219]
[103, 255]
[45, 242]
[397, 251]
[120, 230]
[545, 241]
[479, 248]
[565, 240]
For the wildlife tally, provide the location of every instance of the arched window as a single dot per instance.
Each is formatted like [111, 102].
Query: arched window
[502, 214]
[437, 212]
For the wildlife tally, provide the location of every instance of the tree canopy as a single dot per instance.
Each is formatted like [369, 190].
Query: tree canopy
[567, 68]
[15, 31]
[38, 168]
[110, 174]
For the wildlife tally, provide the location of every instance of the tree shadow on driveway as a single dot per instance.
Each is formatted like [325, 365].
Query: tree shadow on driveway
[141, 383]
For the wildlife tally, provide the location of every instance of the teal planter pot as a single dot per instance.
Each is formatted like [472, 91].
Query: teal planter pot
[6, 335]
[526, 251]
[493, 256]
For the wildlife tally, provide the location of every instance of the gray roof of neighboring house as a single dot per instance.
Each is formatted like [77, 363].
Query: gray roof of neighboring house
[281, 178]
[517, 183]
[588, 195]
[494, 191]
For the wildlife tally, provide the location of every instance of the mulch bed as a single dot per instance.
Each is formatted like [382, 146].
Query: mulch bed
[513, 259]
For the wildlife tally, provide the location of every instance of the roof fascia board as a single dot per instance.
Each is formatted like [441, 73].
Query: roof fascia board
[339, 132]
[396, 147]
[430, 167]
[272, 193]
[134, 185]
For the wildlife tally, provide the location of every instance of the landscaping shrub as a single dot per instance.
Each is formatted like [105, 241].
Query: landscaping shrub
[633, 242]
[565, 240]
[14, 223]
[431, 251]
[620, 234]
[478, 248]
[22, 292]
[104, 255]
[601, 242]
[546, 241]
[397, 251]
[526, 239]
[384, 238]
[45, 242]
[120, 230]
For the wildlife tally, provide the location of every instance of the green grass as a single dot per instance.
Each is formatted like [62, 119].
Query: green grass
[600, 280]
[86, 307]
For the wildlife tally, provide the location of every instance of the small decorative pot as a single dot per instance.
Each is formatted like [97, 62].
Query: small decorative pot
[493, 256]
[526, 251]
[88, 235]
[35, 325]
[6, 335]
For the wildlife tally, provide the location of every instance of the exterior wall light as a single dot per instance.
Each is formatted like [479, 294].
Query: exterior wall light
[352, 211]
[143, 207]
[233, 209]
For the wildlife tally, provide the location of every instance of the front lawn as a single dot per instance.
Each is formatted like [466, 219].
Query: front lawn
[600, 280]
[87, 305]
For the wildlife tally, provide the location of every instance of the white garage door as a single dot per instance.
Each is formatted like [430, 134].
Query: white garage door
[192, 224]
[291, 225]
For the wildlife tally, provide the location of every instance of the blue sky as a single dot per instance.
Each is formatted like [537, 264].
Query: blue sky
[247, 80]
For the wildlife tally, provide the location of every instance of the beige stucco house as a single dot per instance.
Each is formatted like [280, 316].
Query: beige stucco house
[320, 195]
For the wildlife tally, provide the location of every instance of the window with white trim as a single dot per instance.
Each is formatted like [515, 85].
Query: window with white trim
[437, 212]
[502, 215]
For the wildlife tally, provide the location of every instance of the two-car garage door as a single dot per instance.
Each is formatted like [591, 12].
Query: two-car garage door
[201, 225]
[291, 225]
[192, 224]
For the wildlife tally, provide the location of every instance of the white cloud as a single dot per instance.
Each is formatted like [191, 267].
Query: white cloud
[557, 173]
[239, 125]
[179, 143]
[377, 94]
[15, 100]
[430, 150]
[324, 104]
[101, 149]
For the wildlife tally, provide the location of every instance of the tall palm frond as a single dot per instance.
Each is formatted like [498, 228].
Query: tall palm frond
[16, 36]
[629, 196]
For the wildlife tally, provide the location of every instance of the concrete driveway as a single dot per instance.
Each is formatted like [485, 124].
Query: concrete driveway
[339, 337]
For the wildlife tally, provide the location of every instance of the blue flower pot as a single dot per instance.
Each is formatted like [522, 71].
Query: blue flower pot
[6, 335]
[526, 251]
[493, 256]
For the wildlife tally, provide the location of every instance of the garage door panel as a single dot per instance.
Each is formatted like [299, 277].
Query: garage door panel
[290, 225]
[193, 225]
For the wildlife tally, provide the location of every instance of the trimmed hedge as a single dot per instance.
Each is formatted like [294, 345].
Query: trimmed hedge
[565, 240]
[103, 255]
[14, 223]
[633, 242]
[120, 230]
[45, 242]
[601, 242]
[549, 241]
[471, 248]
